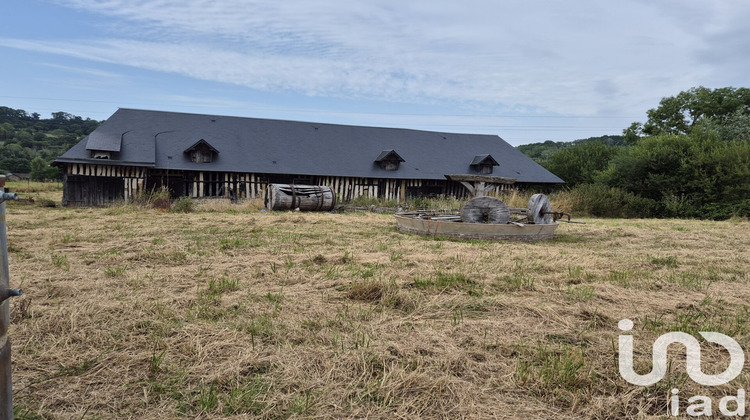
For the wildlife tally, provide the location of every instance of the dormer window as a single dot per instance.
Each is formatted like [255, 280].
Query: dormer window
[103, 145]
[389, 160]
[101, 154]
[201, 156]
[483, 164]
[201, 152]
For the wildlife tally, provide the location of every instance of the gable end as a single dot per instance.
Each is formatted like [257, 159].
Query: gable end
[483, 164]
[389, 160]
[201, 152]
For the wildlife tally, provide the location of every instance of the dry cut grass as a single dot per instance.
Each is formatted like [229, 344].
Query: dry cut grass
[234, 313]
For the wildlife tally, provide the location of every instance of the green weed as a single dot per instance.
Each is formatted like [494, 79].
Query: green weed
[514, 282]
[155, 362]
[207, 399]
[61, 261]
[558, 370]
[670, 261]
[449, 281]
[115, 271]
[583, 293]
[689, 280]
[224, 284]
[79, 369]
[246, 397]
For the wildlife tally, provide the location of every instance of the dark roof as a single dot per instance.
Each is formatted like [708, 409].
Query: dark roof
[201, 144]
[389, 155]
[484, 160]
[105, 141]
[159, 139]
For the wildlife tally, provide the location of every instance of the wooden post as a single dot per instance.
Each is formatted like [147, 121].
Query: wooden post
[479, 189]
[480, 185]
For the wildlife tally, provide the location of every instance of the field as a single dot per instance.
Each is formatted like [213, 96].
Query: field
[229, 312]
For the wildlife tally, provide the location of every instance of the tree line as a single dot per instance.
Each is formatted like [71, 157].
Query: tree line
[691, 158]
[29, 143]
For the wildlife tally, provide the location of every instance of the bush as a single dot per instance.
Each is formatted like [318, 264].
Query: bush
[679, 206]
[695, 175]
[582, 163]
[182, 205]
[724, 211]
[603, 201]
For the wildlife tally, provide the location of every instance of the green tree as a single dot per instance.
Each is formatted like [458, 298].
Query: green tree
[14, 151]
[15, 165]
[38, 167]
[42, 171]
[582, 163]
[633, 133]
[679, 114]
[735, 126]
[24, 136]
[6, 131]
[695, 175]
[61, 116]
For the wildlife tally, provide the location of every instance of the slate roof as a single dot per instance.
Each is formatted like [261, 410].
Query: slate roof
[484, 160]
[159, 139]
[389, 155]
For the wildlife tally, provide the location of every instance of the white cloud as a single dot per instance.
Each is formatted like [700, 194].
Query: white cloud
[574, 58]
[85, 71]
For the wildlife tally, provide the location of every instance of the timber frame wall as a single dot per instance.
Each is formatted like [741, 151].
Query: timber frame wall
[95, 184]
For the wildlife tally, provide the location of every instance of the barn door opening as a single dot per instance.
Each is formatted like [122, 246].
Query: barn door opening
[172, 181]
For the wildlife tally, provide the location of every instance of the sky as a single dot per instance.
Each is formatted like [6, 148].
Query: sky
[528, 71]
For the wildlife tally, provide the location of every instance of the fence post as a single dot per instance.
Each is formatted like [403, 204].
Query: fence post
[6, 385]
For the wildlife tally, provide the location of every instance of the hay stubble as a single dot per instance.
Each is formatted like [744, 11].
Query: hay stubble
[132, 312]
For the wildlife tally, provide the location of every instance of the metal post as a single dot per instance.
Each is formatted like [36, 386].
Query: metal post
[6, 385]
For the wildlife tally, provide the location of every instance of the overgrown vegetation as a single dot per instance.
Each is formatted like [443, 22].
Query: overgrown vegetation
[690, 159]
[542, 152]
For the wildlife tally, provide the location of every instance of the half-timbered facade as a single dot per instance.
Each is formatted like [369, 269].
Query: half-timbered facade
[203, 156]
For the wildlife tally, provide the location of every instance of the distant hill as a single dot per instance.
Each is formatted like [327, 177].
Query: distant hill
[541, 152]
[25, 137]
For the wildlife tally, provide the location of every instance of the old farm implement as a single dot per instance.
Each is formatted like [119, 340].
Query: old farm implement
[486, 217]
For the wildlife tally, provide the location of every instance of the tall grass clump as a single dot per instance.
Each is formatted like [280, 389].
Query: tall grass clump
[226, 205]
[515, 198]
[603, 201]
[440, 202]
[26, 187]
[182, 205]
[363, 201]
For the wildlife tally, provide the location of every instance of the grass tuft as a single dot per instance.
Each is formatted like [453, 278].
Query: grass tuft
[670, 261]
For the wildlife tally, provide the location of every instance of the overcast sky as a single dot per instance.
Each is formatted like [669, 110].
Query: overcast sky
[527, 71]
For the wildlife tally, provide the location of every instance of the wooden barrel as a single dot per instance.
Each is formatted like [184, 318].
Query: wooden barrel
[303, 197]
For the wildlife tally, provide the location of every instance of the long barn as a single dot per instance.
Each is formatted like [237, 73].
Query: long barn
[201, 156]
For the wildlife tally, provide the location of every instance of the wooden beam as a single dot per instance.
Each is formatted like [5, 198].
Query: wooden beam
[468, 186]
[488, 188]
[481, 178]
